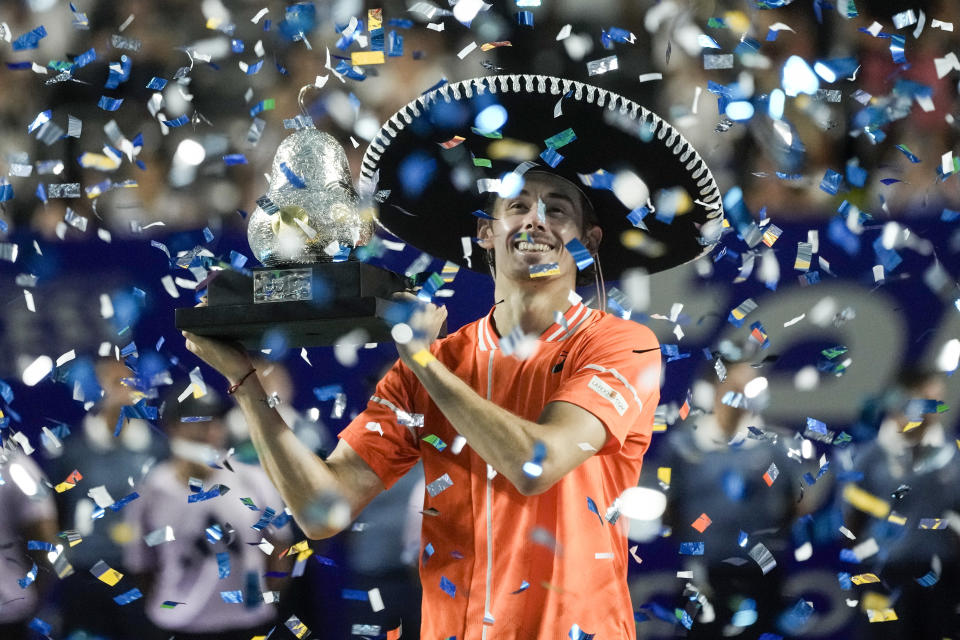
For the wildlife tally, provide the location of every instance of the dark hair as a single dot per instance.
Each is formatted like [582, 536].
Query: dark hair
[588, 219]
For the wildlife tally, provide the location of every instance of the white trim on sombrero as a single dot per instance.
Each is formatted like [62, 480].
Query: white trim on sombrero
[622, 109]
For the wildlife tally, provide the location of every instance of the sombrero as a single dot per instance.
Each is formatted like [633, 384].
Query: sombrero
[432, 164]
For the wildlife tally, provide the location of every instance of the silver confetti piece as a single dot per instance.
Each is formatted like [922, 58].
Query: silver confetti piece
[64, 190]
[439, 485]
[75, 220]
[159, 536]
[762, 556]
[122, 42]
[718, 61]
[603, 65]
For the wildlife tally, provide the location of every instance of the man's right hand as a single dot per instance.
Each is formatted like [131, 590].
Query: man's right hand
[228, 358]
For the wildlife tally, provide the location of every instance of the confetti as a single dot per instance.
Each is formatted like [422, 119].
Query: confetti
[105, 574]
[701, 523]
[439, 485]
[762, 556]
[448, 587]
[691, 548]
[603, 65]
[128, 597]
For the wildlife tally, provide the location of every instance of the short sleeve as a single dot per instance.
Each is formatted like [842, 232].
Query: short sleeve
[615, 375]
[377, 434]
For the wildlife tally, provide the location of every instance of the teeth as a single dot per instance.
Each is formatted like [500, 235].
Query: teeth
[532, 246]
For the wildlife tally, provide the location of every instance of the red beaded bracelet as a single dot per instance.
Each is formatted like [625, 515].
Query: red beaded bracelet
[233, 388]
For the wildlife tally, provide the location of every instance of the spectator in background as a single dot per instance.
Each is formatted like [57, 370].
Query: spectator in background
[211, 570]
[115, 463]
[383, 551]
[912, 467]
[720, 466]
[28, 514]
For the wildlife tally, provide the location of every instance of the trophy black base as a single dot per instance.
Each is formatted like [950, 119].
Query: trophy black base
[346, 296]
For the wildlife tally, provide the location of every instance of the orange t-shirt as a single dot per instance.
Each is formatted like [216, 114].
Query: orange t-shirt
[496, 564]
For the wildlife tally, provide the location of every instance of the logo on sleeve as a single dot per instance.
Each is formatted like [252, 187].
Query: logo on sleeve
[612, 396]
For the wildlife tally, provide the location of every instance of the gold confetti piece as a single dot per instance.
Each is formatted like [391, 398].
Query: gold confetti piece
[896, 518]
[865, 501]
[486, 46]
[360, 58]
[912, 425]
[881, 615]
[864, 578]
[663, 475]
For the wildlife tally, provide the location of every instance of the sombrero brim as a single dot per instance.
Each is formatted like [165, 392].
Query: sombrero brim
[426, 160]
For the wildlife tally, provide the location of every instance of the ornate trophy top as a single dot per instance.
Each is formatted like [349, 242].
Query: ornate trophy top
[311, 209]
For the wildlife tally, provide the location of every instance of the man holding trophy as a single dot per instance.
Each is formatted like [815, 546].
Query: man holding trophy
[532, 420]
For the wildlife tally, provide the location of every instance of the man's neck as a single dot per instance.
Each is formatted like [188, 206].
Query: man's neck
[530, 306]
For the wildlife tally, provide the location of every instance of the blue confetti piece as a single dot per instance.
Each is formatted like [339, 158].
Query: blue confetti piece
[216, 490]
[28, 579]
[832, 181]
[40, 626]
[266, 24]
[327, 392]
[856, 175]
[551, 157]
[847, 555]
[593, 507]
[234, 158]
[236, 46]
[525, 18]
[928, 580]
[394, 44]
[119, 73]
[19, 66]
[580, 254]
[636, 217]
[84, 59]
[39, 545]
[524, 585]
[844, 579]
[223, 565]
[292, 177]
[109, 104]
[179, 122]
[253, 68]
[427, 552]
[354, 594]
[124, 501]
[691, 548]
[232, 597]
[265, 519]
[6, 191]
[448, 587]
[480, 213]
[156, 84]
[30, 40]
[599, 179]
[400, 23]
[128, 597]
[903, 149]
[576, 633]
[897, 44]
[207, 234]
[344, 68]
[889, 258]
[237, 260]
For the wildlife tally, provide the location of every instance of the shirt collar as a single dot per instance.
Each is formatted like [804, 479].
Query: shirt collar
[564, 325]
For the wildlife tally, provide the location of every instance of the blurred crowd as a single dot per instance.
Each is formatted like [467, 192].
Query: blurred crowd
[203, 48]
[885, 497]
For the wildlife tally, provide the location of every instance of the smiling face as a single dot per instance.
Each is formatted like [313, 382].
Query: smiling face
[533, 227]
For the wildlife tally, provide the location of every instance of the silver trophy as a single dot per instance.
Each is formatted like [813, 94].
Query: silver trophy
[304, 232]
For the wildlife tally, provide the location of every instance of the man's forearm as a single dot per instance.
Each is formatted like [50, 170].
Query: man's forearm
[504, 440]
[298, 474]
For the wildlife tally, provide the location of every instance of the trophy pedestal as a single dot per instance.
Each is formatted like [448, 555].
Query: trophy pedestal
[313, 305]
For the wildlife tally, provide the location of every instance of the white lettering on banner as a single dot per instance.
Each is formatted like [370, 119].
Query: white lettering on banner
[612, 396]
